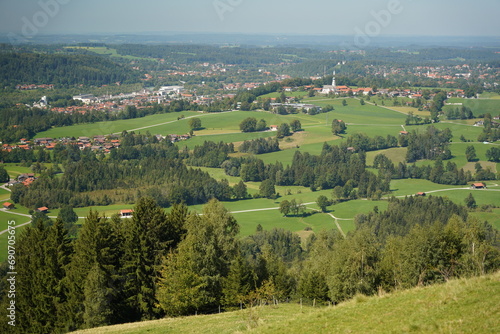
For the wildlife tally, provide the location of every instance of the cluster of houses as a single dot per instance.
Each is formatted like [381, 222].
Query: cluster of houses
[97, 143]
[25, 179]
[448, 75]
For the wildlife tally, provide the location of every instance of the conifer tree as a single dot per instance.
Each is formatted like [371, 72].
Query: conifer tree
[98, 298]
[146, 240]
[94, 273]
[4, 176]
[42, 256]
[240, 190]
[237, 284]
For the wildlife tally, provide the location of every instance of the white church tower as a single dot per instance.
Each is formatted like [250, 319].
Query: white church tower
[327, 89]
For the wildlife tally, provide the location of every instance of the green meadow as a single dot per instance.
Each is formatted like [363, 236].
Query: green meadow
[4, 194]
[459, 158]
[298, 94]
[478, 106]
[492, 217]
[15, 170]
[105, 128]
[106, 51]
[457, 306]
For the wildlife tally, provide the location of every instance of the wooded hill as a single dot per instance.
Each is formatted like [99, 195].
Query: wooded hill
[61, 70]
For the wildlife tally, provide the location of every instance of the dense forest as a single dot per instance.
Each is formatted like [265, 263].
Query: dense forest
[61, 70]
[180, 263]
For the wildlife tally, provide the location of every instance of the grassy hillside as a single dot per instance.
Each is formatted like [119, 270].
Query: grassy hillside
[461, 306]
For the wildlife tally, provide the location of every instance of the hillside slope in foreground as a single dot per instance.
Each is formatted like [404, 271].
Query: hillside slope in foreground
[459, 306]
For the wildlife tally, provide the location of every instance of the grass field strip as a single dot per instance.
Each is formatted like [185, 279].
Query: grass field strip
[169, 122]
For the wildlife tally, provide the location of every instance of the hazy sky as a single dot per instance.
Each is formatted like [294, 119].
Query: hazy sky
[332, 17]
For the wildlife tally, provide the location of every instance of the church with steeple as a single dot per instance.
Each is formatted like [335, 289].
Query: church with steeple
[327, 89]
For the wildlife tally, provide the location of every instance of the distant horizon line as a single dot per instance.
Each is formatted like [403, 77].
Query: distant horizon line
[169, 33]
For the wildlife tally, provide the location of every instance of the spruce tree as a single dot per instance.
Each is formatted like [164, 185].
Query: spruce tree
[146, 240]
[42, 256]
[98, 298]
[96, 261]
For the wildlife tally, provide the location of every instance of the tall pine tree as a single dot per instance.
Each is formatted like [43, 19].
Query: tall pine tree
[147, 237]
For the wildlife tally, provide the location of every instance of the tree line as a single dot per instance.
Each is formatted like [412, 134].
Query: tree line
[181, 263]
[260, 146]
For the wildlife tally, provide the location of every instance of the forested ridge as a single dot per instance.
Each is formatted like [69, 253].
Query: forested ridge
[62, 69]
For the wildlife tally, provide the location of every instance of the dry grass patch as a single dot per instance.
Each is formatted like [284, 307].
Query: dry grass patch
[470, 166]
[416, 112]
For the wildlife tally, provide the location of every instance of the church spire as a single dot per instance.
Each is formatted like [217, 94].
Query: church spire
[333, 80]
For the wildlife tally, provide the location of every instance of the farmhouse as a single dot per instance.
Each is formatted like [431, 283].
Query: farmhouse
[273, 127]
[26, 179]
[479, 185]
[126, 213]
[8, 206]
[363, 91]
[420, 194]
[43, 209]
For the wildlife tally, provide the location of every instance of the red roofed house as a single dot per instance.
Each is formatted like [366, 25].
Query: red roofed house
[479, 185]
[126, 213]
[8, 206]
[43, 209]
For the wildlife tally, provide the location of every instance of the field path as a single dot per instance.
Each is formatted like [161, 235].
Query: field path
[337, 223]
[169, 122]
[450, 189]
